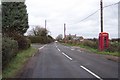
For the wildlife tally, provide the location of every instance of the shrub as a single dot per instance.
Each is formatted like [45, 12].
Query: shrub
[36, 39]
[113, 47]
[40, 39]
[23, 42]
[9, 49]
[49, 39]
[90, 44]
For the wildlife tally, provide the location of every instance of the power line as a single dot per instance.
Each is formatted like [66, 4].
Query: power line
[89, 15]
[97, 11]
[111, 5]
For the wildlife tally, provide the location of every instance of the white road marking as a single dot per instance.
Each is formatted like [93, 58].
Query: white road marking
[39, 49]
[91, 72]
[42, 47]
[58, 49]
[66, 56]
[72, 49]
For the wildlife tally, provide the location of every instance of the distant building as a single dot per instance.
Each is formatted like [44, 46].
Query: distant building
[70, 37]
[74, 38]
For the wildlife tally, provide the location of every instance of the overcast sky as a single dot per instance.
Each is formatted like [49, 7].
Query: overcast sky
[71, 12]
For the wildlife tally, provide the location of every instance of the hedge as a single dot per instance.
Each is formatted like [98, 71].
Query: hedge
[9, 49]
[23, 42]
[41, 39]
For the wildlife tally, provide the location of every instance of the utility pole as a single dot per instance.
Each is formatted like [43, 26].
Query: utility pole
[45, 29]
[103, 36]
[118, 19]
[101, 8]
[45, 24]
[65, 32]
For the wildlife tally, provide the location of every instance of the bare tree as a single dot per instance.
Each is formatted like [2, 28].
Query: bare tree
[59, 37]
[38, 31]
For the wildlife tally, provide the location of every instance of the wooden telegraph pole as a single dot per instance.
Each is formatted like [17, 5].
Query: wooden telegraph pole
[45, 24]
[103, 36]
[64, 32]
[101, 12]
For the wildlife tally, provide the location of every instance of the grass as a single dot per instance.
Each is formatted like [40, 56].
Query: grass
[94, 50]
[17, 63]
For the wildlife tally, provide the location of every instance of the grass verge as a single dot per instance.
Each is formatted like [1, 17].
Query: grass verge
[94, 50]
[17, 62]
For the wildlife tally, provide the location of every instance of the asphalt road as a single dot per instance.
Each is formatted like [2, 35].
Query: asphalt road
[58, 61]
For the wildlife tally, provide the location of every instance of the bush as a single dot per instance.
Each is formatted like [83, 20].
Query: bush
[49, 40]
[40, 39]
[90, 44]
[36, 39]
[23, 42]
[9, 49]
[113, 47]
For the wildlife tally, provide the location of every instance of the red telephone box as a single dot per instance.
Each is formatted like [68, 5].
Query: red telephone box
[103, 40]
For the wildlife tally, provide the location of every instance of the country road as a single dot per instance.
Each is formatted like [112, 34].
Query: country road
[55, 60]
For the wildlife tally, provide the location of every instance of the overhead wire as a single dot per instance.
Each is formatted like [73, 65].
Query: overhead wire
[97, 11]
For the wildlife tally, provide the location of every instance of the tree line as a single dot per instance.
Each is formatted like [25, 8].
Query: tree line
[14, 26]
[40, 35]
